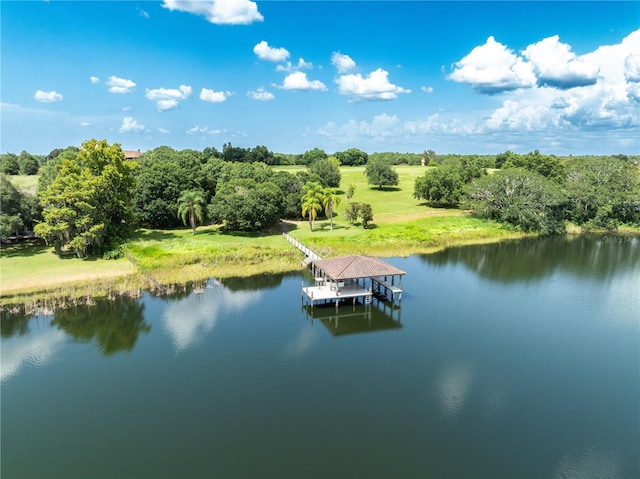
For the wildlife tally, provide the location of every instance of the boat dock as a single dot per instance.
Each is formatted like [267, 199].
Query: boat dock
[348, 278]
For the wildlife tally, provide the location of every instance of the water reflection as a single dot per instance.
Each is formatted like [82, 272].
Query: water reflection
[36, 348]
[593, 256]
[355, 319]
[595, 460]
[193, 317]
[115, 326]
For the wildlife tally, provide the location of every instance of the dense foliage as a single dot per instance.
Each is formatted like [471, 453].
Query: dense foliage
[89, 197]
[89, 203]
[18, 210]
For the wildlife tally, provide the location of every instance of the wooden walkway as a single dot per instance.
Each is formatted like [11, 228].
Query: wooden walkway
[310, 255]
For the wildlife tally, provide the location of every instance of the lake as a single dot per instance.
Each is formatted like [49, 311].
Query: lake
[512, 360]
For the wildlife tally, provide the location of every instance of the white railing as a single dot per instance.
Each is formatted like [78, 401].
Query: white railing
[310, 254]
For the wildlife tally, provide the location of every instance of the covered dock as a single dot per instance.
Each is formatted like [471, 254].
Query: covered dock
[350, 278]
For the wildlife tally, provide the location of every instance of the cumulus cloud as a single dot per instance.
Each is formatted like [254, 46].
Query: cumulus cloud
[554, 64]
[214, 96]
[343, 63]
[219, 12]
[168, 98]
[375, 86]
[298, 81]
[271, 54]
[632, 67]
[129, 125]
[493, 68]
[427, 89]
[120, 85]
[47, 96]
[260, 94]
[85, 124]
[289, 67]
[163, 131]
[560, 102]
[94, 79]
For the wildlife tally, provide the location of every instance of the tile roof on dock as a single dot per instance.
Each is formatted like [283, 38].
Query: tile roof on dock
[356, 266]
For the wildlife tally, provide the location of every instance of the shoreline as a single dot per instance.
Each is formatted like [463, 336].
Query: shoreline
[47, 298]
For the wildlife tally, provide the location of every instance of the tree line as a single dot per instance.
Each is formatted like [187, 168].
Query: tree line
[90, 198]
[537, 192]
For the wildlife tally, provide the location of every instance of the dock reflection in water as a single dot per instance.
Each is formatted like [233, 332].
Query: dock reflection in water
[358, 318]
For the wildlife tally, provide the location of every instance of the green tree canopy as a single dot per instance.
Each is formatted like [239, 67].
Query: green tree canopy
[380, 173]
[327, 171]
[520, 197]
[352, 157]
[89, 203]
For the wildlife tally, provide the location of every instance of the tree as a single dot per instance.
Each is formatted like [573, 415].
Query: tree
[520, 197]
[329, 200]
[311, 156]
[28, 164]
[352, 157]
[351, 190]
[18, 210]
[328, 172]
[359, 210]
[89, 203]
[242, 204]
[312, 201]
[9, 164]
[380, 173]
[190, 207]
[603, 192]
[441, 186]
[546, 165]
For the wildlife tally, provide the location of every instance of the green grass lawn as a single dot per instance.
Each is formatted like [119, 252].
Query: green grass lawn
[35, 268]
[402, 225]
[26, 183]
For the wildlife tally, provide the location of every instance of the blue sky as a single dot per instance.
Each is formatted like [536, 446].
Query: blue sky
[454, 77]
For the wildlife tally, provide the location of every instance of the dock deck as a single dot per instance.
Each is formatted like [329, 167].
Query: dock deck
[327, 293]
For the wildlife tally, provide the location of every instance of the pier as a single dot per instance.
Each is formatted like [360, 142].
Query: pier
[348, 279]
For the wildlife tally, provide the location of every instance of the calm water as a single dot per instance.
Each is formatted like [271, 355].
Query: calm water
[517, 360]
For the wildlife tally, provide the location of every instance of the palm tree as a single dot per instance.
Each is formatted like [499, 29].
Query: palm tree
[312, 201]
[190, 205]
[330, 200]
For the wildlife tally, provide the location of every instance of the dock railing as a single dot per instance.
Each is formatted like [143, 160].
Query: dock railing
[311, 255]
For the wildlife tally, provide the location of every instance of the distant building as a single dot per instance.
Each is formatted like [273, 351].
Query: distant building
[132, 154]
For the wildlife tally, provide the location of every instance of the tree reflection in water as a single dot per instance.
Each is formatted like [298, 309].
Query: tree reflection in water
[114, 325]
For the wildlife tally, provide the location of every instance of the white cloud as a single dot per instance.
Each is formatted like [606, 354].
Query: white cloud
[129, 125]
[120, 85]
[298, 81]
[288, 67]
[85, 124]
[554, 64]
[47, 96]
[168, 98]
[219, 12]
[493, 68]
[94, 79]
[265, 52]
[375, 86]
[427, 89]
[214, 96]
[202, 129]
[163, 131]
[632, 67]
[343, 63]
[260, 94]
